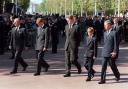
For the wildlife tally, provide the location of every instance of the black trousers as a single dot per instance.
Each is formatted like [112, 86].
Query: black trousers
[89, 61]
[41, 61]
[13, 52]
[112, 65]
[54, 47]
[19, 60]
[2, 47]
[71, 57]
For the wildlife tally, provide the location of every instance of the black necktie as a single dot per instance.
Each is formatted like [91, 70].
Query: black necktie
[16, 30]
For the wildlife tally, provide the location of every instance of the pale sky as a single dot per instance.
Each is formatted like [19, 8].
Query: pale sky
[33, 1]
[36, 1]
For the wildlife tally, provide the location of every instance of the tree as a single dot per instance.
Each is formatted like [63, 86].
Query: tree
[108, 6]
[24, 4]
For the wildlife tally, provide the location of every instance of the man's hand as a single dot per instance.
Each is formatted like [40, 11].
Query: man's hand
[113, 55]
[10, 47]
[94, 57]
[44, 49]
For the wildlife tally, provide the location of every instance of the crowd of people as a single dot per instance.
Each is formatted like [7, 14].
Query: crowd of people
[37, 31]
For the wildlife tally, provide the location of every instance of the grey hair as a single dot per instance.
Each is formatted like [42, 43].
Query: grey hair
[108, 22]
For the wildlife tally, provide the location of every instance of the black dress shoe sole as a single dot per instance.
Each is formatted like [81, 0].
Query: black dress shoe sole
[88, 80]
[36, 74]
[101, 82]
[67, 75]
[13, 72]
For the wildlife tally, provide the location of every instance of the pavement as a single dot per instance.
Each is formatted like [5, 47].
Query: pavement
[54, 79]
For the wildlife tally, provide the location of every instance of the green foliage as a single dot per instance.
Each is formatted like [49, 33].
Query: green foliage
[58, 6]
[22, 3]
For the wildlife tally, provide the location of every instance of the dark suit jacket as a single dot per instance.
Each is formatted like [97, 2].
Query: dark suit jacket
[110, 44]
[19, 38]
[91, 47]
[73, 36]
[118, 29]
[42, 38]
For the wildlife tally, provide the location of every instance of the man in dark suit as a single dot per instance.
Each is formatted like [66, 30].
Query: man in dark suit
[97, 26]
[117, 26]
[18, 42]
[2, 35]
[55, 33]
[109, 52]
[41, 45]
[73, 38]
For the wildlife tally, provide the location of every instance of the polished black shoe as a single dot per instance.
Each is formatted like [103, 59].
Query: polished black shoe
[117, 79]
[24, 68]
[101, 82]
[46, 69]
[88, 79]
[79, 71]
[67, 75]
[36, 74]
[13, 72]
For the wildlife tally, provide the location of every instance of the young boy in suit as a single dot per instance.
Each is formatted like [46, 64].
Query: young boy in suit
[91, 53]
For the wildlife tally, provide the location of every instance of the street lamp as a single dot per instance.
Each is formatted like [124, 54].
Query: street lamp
[72, 7]
[95, 7]
[16, 7]
[81, 8]
[3, 6]
[118, 8]
[61, 8]
[65, 7]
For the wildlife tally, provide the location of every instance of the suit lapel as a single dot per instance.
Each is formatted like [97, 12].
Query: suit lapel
[89, 41]
[40, 31]
[108, 35]
[15, 32]
[70, 29]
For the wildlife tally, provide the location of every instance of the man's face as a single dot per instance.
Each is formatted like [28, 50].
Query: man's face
[107, 26]
[71, 21]
[16, 22]
[90, 33]
[40, 24]
[115, 21]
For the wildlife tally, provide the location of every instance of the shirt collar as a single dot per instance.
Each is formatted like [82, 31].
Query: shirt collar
[109, 31]
[18, 27]
[42, 26]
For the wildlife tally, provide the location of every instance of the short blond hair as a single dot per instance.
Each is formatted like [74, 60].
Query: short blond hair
[39, 20]
[90, 29]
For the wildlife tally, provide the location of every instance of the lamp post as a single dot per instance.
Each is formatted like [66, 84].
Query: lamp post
[16, 7]
[65, 7]
[72, 7]
[3, 6]
[81, 6]
[95, 7]
[118, 8]
[61, 8]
